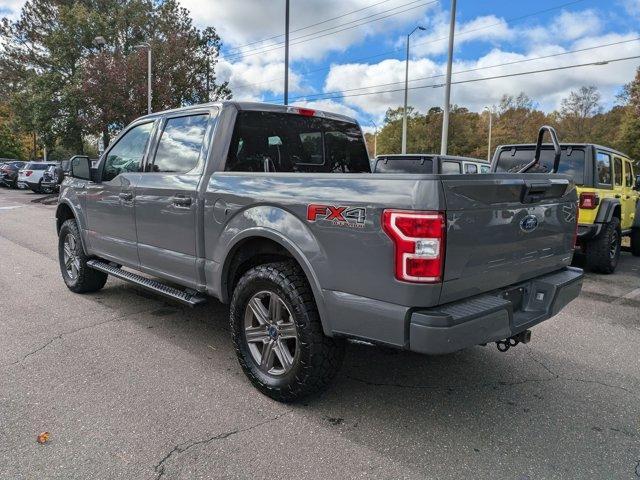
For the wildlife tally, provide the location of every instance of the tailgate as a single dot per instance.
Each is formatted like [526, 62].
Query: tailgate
[505, 228]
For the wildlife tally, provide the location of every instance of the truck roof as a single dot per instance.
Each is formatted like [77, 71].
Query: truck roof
[564, 144]
[254, 106]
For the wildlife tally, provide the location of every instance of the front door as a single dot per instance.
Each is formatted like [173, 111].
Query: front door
[111, 229]
[166, 206]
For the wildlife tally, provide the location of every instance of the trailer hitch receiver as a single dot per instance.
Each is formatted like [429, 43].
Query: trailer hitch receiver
[522, 337]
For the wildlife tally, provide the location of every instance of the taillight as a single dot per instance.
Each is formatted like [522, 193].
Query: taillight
[28, 173]
[419, 239]
[589, 200]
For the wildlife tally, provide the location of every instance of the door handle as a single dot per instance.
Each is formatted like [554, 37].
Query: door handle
[181, 201]
[617, 195]
[126, 196]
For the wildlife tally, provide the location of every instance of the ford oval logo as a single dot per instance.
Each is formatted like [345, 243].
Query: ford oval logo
[529, 223]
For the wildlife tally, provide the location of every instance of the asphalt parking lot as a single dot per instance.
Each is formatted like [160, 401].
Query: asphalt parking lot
[130, 386]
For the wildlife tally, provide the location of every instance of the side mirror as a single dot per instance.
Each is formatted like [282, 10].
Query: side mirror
[80, 168]
[637, 186]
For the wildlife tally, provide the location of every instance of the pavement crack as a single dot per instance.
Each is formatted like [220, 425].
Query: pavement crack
[180, 448]
[61, 335]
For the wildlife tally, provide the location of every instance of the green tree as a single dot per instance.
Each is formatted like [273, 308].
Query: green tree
[577, 112]
[629, 133]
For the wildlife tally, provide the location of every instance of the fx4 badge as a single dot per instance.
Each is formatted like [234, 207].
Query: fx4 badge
[340, 216]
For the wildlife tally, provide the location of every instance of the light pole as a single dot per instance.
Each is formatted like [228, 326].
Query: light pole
[286, 53]
[148, 47]
[488, 109]
[406, 93]
[447, 91]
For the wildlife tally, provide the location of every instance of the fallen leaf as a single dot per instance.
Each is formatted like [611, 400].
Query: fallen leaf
[43, 437]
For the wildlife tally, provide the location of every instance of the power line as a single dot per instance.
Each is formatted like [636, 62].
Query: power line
[311, 25]
[481, 79]
[280, 45]
[466, 32]
[514, 62]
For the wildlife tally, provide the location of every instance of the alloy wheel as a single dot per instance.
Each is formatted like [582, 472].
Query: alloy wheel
[271, 333]
[70, 257]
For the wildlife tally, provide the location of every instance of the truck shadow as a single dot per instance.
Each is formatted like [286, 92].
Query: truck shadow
[527, 404]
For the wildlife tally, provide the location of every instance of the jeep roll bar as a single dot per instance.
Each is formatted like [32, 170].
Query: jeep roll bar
[556, 147]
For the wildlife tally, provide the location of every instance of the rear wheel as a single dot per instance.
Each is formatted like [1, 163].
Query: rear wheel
[277, 333]
[603, 253]
[635, 242]
[77, 275]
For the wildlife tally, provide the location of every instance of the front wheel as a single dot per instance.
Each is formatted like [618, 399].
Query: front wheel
[77, 275]
[603, 253]
[277, 333]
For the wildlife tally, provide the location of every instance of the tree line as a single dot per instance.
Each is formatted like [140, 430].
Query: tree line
[516, 119]
[63, 91]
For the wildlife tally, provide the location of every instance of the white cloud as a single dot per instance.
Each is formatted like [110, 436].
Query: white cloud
[248, 21]
[547, 89]
[568, 26]
[488, 28]
[632, 7]
[11, 8]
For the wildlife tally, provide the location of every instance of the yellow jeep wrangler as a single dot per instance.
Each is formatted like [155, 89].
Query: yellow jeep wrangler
[608, 189]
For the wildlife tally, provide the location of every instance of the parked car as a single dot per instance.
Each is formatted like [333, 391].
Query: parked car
[55, 174]
[9, 173]
[30, 176]
[274, 209]
[608, 190]
[430, 163]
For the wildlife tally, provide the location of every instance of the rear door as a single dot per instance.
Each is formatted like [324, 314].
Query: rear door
[110, 202]
[166, 206]
[505, 228]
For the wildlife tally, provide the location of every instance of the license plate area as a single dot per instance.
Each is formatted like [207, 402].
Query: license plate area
[515, 296]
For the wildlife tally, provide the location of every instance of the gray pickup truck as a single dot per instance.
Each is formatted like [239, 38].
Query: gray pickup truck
[275, 210]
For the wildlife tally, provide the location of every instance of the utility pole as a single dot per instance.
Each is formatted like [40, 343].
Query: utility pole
[490, 125]
[375, 139]
[447, 91]
[286, 54]
[406, 93]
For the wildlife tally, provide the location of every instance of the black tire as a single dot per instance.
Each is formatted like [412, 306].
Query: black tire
[317, 358]
[603, 253]
[635, 242]
[87, 279]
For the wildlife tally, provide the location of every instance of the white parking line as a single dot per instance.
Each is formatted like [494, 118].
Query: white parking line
[12, 207]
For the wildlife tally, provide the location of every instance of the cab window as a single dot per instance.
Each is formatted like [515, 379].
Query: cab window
[470, 168]
[628, 174]
[180, 144]
[603, 164]
[449, 168]
[126, 155]
[617, 171]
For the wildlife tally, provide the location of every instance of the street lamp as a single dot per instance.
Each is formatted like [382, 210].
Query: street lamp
[488, 109]
[406, 92]
[148, 47]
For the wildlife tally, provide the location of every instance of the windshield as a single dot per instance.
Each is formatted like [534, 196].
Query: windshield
[37, 166]
[570, 164]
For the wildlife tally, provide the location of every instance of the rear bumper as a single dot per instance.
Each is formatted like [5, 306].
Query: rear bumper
[490, 317]
[588, 232]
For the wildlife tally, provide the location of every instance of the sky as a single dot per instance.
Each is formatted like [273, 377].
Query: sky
[348, 56]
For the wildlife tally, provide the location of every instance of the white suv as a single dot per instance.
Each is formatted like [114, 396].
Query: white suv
[30, 176]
